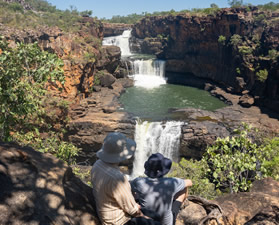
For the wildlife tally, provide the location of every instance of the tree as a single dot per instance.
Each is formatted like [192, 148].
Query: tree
[214, 6]
[25, 72]
[235, 3]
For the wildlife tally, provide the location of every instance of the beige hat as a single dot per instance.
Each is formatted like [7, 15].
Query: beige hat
[116, 148]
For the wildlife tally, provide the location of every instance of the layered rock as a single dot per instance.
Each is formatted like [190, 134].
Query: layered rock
[115, 29]
[194, 45]
[80, 51]
[94, 117]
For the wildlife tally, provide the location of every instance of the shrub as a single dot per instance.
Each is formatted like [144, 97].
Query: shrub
[262, 75]
[273, 54]
[222, 39]
[24, 73]
[235, 162]
[195, 171]
[64, 151]
[236, 40]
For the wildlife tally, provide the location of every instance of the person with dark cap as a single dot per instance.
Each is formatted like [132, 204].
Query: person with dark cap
[164, 195]
[115, 202]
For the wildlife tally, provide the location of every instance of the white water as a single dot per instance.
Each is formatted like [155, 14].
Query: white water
[154, 137]
[149, 73]
[122, 41]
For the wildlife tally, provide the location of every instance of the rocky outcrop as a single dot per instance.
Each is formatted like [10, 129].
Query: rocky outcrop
[204, 127]
[226, 48]
[115, 29]
[259, 206]
[38, 189]
[96, 116]
[80, 51]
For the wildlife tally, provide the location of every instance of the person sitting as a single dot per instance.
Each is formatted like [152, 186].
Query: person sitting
[164, 195]
[111, 189]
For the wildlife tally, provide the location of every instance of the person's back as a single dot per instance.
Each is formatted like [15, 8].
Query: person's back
[160, 194]
[111, 187]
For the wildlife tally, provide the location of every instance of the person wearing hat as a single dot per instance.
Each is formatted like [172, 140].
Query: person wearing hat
[164, 195]
[115, 202]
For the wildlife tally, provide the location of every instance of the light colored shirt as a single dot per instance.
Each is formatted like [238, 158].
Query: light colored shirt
[157, 194]
[112, 191]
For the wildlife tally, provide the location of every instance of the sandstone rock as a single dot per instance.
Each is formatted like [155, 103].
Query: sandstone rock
[106, 80]
[114, 29]
[246, 100]
[38, 189]
[260, 206]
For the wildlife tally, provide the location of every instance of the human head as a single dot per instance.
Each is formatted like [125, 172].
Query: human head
[157, 166]
[116, 148]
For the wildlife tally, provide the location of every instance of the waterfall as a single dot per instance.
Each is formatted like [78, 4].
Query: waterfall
[148, 73]
[122, 41]
[154, 137]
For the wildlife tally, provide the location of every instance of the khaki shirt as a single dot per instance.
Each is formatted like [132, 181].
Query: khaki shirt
[112, 192]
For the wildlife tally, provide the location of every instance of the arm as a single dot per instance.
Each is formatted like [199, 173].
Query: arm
[125, 199]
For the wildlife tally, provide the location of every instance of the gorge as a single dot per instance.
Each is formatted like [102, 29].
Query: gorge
[174, 83]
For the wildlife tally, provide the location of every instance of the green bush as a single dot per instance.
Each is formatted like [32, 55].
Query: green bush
[24, 73]
[236, 40]
[222, 39]
[195, 171]
[235, 162]
[64, 151]
[262, 75]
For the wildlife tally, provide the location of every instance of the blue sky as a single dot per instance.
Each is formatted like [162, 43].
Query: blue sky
[109, 8]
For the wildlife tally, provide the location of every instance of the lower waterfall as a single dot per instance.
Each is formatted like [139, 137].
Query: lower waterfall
[154, 137]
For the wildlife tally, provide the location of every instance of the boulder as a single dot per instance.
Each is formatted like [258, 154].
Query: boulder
[106, 80]
[246, 100]
[38, 189]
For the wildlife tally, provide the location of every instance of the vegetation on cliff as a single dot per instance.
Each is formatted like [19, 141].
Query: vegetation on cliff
[41, 13]
[26, 72]
[133, 18]
[231, 164]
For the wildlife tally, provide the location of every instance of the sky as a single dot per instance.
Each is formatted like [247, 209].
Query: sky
[109, 8]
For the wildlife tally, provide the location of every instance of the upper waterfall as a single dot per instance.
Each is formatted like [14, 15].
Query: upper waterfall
[148, 73]
[122, 41]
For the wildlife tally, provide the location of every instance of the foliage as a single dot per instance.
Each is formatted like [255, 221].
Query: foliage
[269, 6]
[13, 14]
[272, 163]
[213, 5]
[24, 74]
[262, 75]
[195, 171]
[235, 3]
[245, 50]
[52, 144]
[273, 54]
[236, 40]
[235, 162]
[222, 39]
[238, 70]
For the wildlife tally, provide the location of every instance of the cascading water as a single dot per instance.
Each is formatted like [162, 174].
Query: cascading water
[122, 41]
[148, 73]
[153, 137]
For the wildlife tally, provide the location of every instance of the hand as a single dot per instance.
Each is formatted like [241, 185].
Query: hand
[188, 183]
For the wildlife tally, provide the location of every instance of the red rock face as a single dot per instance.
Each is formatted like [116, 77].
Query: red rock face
[193, 47]
[80, 52]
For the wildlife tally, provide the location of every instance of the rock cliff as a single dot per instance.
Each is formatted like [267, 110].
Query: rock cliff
[237, 48]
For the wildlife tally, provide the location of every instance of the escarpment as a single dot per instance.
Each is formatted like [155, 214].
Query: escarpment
[236, 48]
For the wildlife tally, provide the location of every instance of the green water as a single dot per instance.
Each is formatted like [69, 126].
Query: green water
[156, 103]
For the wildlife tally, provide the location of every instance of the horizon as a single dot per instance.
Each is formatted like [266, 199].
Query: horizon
[115, 8]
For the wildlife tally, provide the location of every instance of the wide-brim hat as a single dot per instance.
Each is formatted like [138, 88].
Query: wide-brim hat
[116, 148]
[157, 166]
